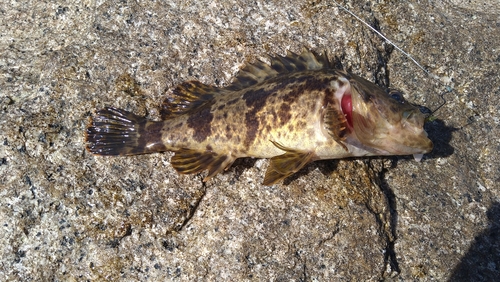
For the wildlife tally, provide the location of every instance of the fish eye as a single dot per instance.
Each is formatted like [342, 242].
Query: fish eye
[397, 96]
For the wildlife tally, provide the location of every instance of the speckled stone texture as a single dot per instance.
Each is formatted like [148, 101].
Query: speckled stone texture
[66, 214]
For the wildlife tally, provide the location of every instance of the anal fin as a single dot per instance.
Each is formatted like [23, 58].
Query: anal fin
[287, 164]
[335, 124]
[187, 161]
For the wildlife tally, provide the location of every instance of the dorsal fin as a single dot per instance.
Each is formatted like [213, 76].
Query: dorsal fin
[307, 60]
[191, 96]
[259, 71]
[188, 97]
[252, 74]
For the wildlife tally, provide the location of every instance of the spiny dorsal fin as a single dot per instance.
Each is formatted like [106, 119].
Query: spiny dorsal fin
[188, 161]
[188, 97]
[259, 71]
[191, 96]
[335, 124]
[285, 165]
[307, 60]
[252, 74]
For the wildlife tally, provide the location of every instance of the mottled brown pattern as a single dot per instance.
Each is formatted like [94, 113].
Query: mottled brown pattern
[178, 125]
[232, 102]
[306, 84]
[268, 128]
[255, 100]
[150, 138]
[288, 89]
[229, 132]
[200, 122]
[252, 127]
[329, 99]
[301, 124]
[284, 114]
[289, 111]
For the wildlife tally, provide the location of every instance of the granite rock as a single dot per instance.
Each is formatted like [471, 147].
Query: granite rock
[68, 215]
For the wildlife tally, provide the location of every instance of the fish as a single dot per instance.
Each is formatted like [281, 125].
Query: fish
[298, 109]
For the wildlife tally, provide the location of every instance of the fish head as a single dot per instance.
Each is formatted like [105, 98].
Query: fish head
[385, 123]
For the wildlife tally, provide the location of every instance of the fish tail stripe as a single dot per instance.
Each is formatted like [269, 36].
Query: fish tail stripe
[117, 132]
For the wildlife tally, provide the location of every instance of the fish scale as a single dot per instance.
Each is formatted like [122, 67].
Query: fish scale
[294, 111]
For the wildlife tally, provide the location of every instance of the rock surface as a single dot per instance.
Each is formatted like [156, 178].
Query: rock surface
[67, 214]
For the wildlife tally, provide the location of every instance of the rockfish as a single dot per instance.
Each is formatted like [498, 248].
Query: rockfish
[294, 111]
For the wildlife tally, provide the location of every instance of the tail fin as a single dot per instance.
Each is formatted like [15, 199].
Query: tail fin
[114, 132]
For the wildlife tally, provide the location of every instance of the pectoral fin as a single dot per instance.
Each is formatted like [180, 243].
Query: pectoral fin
[285, 165]
[187, 161]
[335, 124]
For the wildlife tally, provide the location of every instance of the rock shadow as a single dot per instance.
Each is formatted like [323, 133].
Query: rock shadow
[482, 261]
[440, 135]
